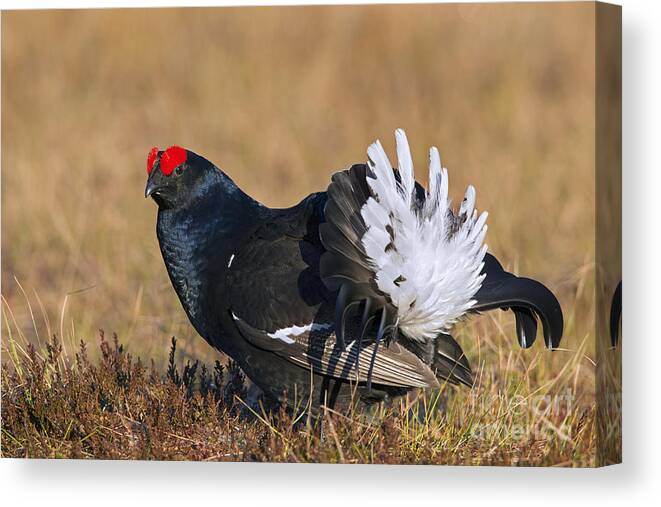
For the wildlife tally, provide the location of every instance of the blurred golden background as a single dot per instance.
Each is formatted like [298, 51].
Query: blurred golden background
[280, 98]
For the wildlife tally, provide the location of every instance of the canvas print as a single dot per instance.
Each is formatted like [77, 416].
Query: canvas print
[351, 234]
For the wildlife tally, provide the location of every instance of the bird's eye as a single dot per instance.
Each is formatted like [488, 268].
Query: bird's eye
[178, 171]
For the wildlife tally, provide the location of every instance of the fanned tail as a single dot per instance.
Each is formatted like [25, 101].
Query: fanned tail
[403, 261]
[399, 249]
[391, 241]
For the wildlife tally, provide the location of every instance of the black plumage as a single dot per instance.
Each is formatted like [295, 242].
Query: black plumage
[289, 295]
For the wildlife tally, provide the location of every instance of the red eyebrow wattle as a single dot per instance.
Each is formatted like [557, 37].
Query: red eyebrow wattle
[151, 158]
[172, 158]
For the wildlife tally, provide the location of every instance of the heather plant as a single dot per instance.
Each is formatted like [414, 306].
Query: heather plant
[58, 406]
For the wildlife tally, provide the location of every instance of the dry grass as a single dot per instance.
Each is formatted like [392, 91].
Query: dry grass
[65, 407]
[281, 98]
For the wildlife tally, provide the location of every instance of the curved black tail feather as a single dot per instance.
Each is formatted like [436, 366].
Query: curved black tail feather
[528, 299]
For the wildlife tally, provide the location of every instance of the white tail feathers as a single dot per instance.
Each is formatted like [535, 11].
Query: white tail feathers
[426, 258]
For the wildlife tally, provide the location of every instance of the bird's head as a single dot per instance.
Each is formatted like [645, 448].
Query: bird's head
[176, 176]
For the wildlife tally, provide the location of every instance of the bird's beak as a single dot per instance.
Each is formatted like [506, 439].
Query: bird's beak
[149, 189]
[153, 183]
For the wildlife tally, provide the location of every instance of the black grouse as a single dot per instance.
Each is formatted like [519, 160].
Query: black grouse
[353, 290]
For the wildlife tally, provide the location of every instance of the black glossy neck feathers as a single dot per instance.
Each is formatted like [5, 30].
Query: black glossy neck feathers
[198, 240]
